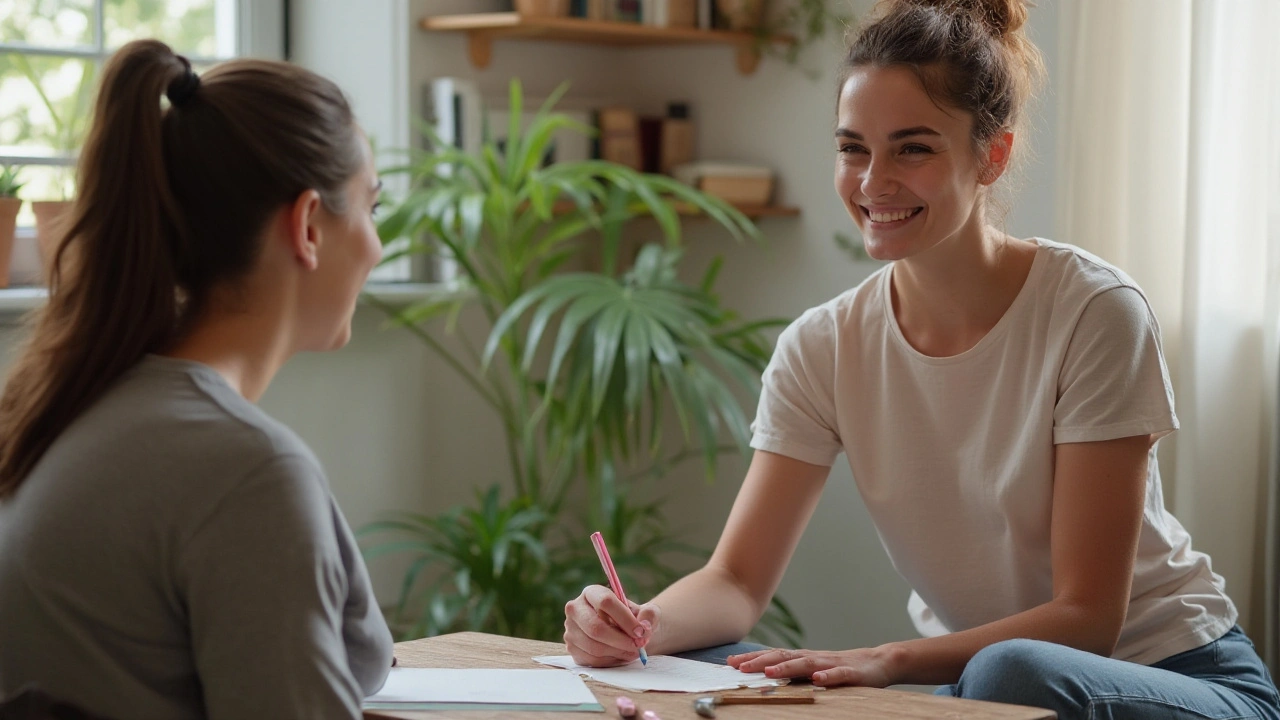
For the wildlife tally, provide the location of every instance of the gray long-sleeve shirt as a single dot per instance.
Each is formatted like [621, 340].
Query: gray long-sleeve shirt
[177, 554]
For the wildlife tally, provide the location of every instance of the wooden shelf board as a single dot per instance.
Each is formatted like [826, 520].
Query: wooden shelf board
[751, 211]
[759, 211]
[510, 24]
[483, 28]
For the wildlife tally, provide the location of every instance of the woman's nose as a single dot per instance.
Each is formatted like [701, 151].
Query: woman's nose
[878, 179]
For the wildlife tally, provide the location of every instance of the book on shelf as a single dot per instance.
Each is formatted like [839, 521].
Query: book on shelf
[626, 10]
[619, 136]
[590, 9]
[705, 8]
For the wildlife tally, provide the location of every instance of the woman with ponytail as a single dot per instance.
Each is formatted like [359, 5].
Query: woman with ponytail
[166, 548]
[999, 401]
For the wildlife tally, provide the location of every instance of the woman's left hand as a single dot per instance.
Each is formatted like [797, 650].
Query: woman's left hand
[867, 667]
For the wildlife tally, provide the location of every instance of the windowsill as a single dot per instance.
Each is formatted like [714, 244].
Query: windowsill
[16, 300]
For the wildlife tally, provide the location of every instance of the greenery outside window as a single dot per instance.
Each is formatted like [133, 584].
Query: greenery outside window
[52, 53]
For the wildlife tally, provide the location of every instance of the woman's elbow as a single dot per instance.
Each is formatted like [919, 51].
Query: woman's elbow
[1096, 628]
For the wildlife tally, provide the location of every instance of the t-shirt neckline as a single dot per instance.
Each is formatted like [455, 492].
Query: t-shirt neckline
[988, 340]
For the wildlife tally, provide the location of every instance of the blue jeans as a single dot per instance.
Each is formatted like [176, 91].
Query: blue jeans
[719, 655]
[1224, 679]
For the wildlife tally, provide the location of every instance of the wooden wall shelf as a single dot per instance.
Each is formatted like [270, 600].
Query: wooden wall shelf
[483, 28]
[755, 212]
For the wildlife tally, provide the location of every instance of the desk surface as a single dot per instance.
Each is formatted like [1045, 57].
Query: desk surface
[472, 650]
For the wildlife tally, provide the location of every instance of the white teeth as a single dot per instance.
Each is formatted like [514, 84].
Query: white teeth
[891, 217]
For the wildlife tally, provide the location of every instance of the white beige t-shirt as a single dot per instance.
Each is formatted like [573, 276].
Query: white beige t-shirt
[954, 456]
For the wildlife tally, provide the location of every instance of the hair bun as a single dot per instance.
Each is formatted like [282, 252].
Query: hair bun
[1001, 17]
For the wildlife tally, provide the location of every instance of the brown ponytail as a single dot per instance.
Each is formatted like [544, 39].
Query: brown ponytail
[968, 54]
[171, 204]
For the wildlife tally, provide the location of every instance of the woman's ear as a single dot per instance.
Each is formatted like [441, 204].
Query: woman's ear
[997, 160]
[304, 229]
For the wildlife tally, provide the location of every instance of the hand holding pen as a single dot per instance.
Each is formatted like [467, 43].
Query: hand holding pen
[614, 581]
[603, 631]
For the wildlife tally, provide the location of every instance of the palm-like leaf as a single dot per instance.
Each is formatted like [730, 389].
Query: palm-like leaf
[582, 367]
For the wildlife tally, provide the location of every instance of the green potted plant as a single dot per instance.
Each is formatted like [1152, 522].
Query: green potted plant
[804, 21]
[10, 204]
[70, 119]
[585, 369]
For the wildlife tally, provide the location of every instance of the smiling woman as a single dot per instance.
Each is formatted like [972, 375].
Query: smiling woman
[999, 401]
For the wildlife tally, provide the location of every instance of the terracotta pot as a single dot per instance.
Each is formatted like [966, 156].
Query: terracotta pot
[742, 14]
[9, 207]
[543, 8]
[49, 216]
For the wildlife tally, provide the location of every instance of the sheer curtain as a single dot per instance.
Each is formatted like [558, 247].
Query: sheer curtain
[1171, 169]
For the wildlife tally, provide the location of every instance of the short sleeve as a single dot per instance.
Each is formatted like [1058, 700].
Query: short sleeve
[796, 416]
[268, 589]
[1114, 382]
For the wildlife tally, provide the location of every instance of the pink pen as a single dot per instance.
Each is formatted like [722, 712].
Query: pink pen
[603, 552]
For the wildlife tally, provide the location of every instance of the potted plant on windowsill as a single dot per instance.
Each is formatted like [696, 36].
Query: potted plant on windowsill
[585, 369]
[10, 204]
[70, 120]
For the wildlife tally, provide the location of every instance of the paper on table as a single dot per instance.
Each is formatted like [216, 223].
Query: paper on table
[438, 688]
[665, 673]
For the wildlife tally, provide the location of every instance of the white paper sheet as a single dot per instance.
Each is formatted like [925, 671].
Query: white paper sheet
[482, 687]
[665, 673]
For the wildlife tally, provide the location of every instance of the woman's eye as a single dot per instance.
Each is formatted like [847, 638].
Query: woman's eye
[852, 148]
[374, 210]
[916, 149]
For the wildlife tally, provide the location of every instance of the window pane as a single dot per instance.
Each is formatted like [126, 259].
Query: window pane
[204, 28]
[47, 104]
[48, 23]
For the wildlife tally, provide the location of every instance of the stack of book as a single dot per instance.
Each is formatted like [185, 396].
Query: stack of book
[701, 14]
[648, 144]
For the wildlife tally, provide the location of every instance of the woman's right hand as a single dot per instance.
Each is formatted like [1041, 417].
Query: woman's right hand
[600, 631]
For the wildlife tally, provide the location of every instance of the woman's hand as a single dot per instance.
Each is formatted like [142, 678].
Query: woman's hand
[867, 667]
[600, 631]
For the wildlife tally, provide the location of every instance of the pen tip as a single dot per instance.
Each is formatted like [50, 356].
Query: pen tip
[644, 657]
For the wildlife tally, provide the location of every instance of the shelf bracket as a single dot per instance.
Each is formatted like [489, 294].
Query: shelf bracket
[480, 48]
[748, 57]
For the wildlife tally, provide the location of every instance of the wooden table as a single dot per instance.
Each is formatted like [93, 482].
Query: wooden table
[479, 650]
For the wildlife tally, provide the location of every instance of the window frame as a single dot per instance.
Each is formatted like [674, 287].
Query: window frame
[259, 32]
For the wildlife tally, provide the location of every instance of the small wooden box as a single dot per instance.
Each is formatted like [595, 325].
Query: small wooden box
[738, 190]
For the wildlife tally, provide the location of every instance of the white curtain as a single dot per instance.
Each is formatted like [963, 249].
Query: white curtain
[1170, 168]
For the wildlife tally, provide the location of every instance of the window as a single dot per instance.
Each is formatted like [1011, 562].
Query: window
[52, 53]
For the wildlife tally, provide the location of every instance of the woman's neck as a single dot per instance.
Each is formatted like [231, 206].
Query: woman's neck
[947, 299]
[245, 348]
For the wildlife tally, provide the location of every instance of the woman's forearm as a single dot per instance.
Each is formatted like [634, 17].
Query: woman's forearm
[941, 660]
[705, 608]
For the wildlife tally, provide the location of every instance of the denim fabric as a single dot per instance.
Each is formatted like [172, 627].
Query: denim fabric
[1224, 680]
[719, 654]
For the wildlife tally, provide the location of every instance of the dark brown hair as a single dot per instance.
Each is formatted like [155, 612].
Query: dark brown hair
[968, 54]
[171, 204]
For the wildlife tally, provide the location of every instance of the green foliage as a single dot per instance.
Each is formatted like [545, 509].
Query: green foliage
[853, 247]
[47, 98]
[582, 368]
[9, 185]
[808, 21]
